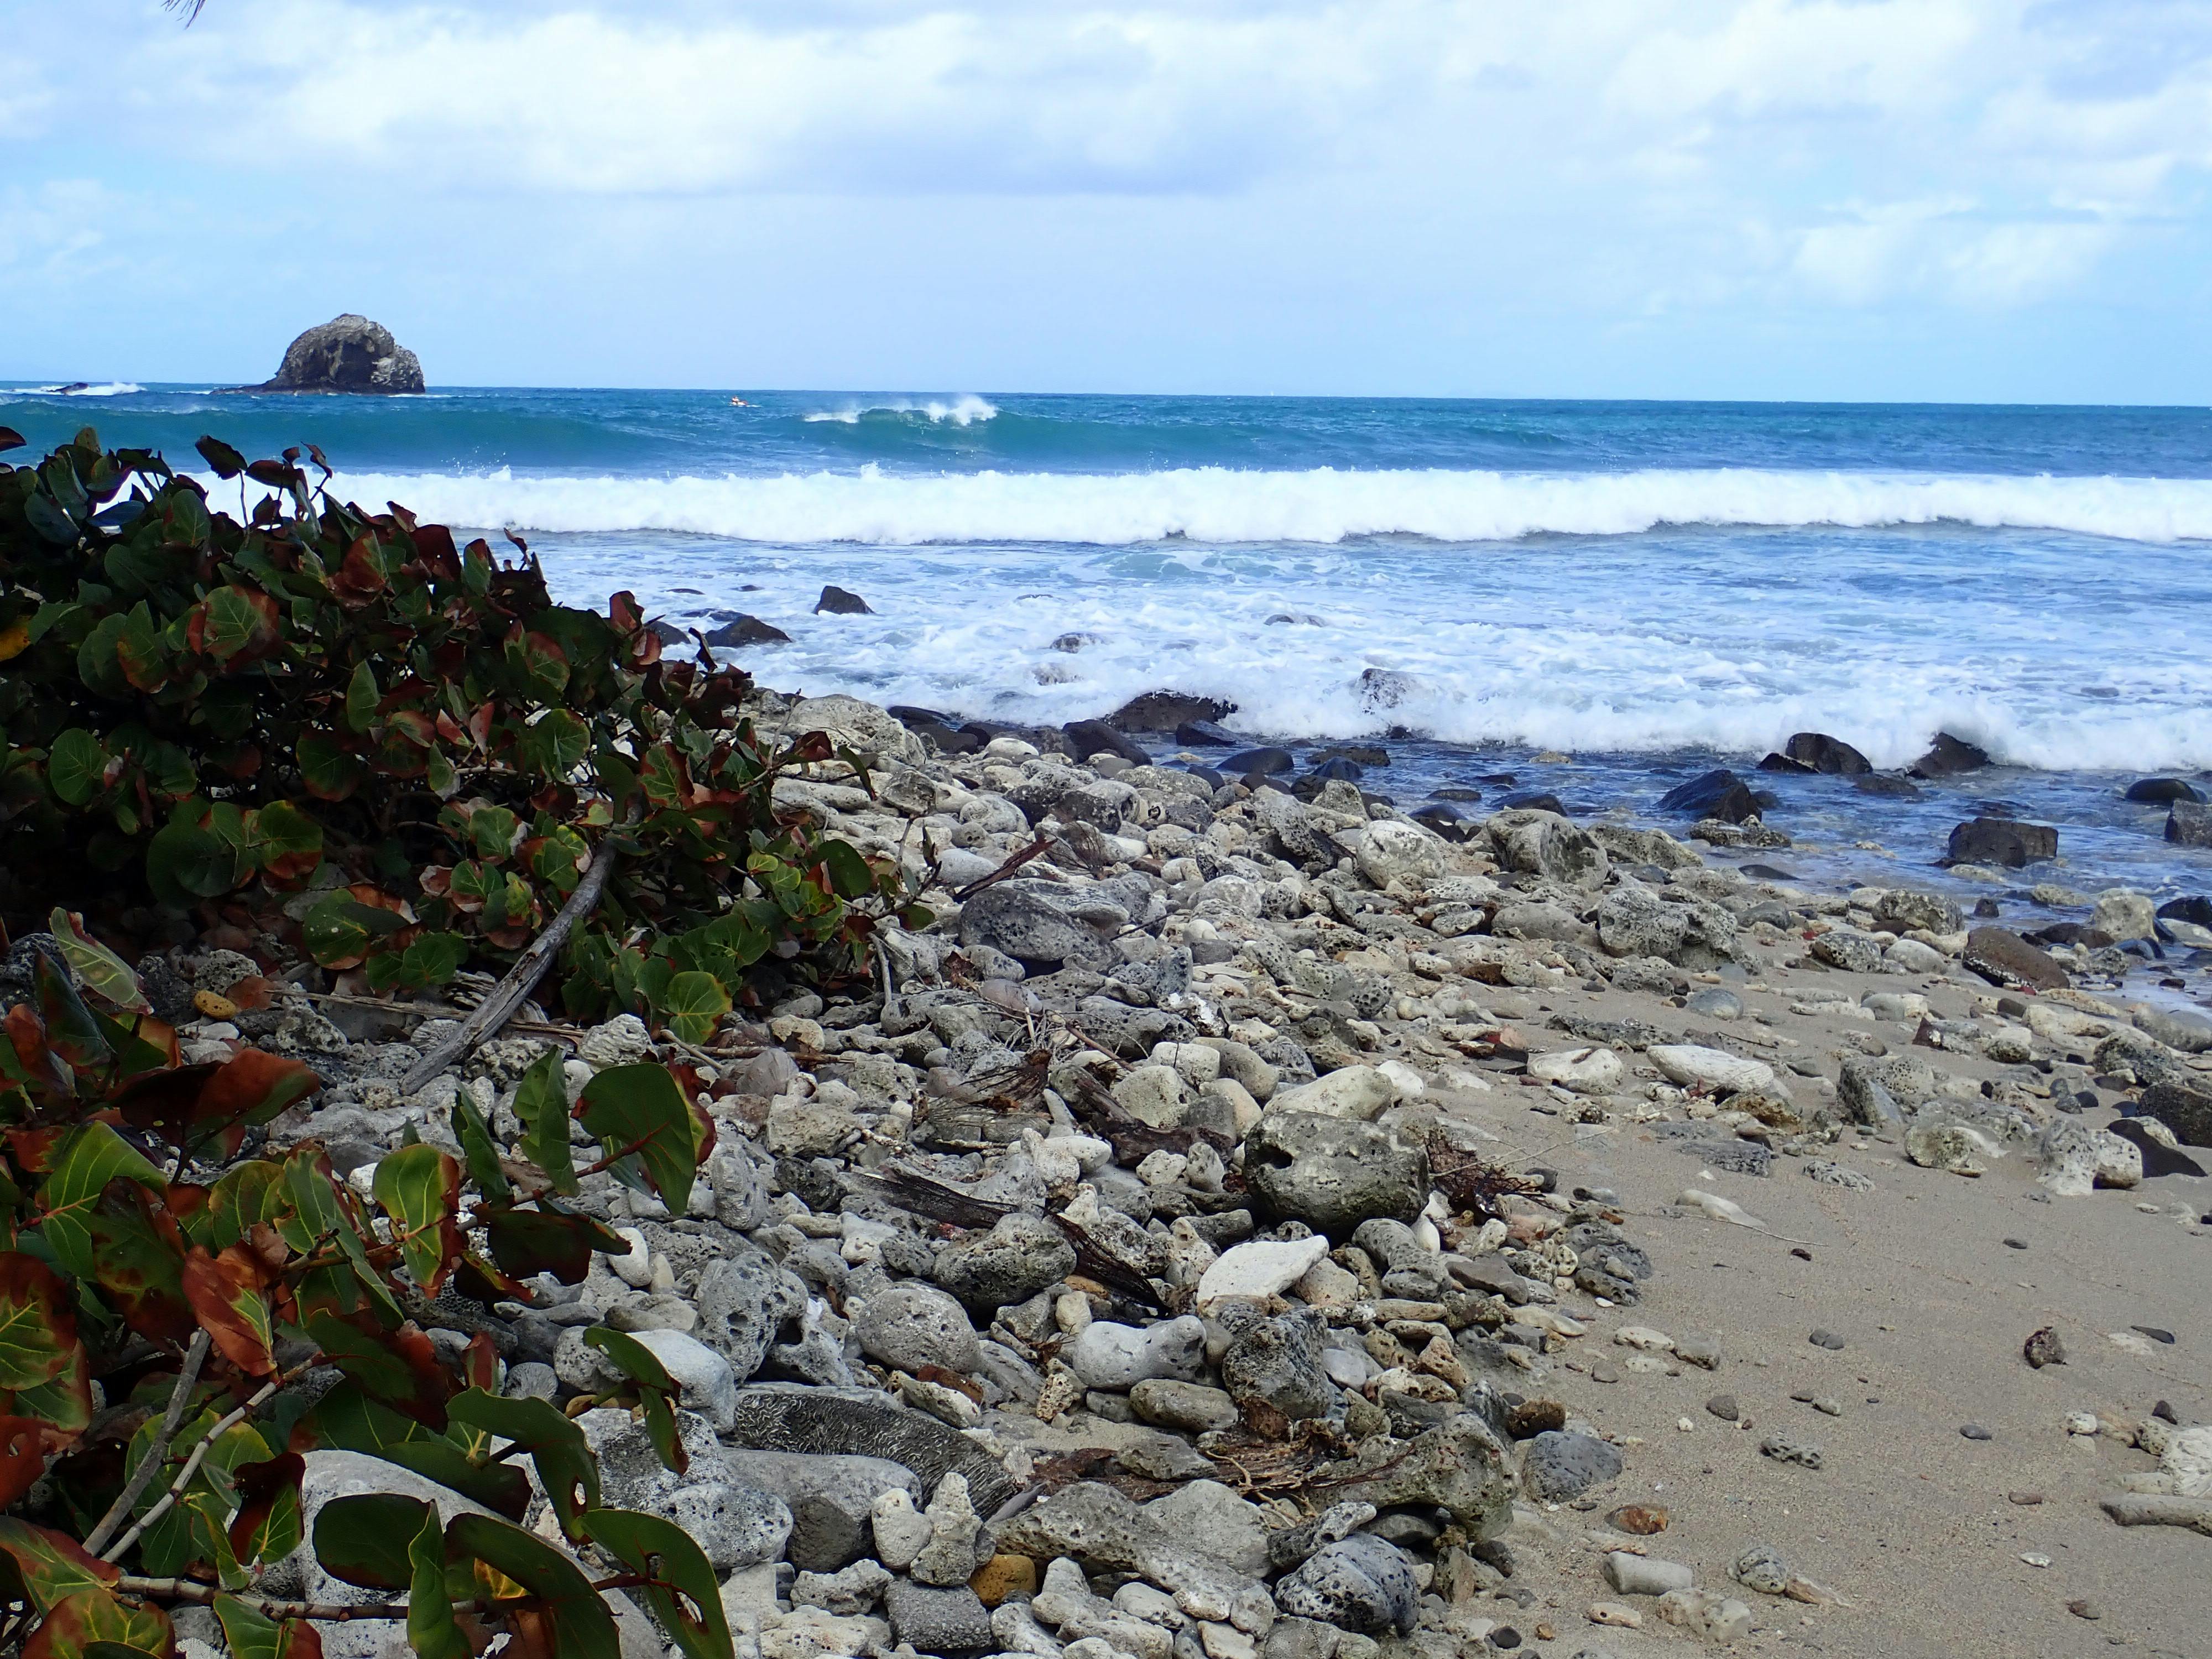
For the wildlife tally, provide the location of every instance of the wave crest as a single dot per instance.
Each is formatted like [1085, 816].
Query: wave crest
[967, 410]
[1218, 504]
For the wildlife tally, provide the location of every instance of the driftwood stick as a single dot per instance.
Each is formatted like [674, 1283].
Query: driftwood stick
[520, 980]
[157, 1454]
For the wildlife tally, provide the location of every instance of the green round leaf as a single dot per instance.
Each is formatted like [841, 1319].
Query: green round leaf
[188, 861]
[74, 766]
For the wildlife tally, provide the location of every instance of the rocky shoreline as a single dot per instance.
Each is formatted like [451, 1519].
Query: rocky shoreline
[1242, 1223]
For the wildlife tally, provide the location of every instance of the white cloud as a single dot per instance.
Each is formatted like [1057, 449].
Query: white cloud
[1626, 159]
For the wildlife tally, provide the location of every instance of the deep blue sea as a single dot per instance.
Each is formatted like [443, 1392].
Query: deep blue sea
[1647, 588]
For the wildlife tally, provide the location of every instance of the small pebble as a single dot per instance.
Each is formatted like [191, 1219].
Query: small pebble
[2035, 1558]
[2154, 1333]
[1801, 1253]
[2024, 1498]
[2015, 1243]
[1975, 1432]
[1824, 1338]
[2083, 1608]
[1722, 1406]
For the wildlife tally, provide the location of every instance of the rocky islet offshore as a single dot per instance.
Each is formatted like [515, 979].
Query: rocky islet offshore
[1138, 1269]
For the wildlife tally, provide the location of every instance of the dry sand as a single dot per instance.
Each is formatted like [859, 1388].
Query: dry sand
[1909, 1520]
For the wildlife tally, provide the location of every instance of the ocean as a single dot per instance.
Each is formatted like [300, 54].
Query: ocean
[1649, 589]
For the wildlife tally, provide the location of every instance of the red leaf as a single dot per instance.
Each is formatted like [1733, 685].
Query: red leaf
[161, 1103]
[434, 546]
[360, 575]
[260, 1487]
[225, 1291]
[479, 1365]
[249, 1088]
[23, 1457]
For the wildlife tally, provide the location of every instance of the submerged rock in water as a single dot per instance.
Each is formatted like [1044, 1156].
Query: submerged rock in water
[347, 354]
[2004, 841]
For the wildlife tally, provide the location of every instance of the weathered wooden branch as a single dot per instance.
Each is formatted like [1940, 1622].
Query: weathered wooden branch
[520, 980]
[142, 1476]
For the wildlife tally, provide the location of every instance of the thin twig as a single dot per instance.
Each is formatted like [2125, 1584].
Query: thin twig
[521, 979]
[441, 1011]
[192, 1590]
[121, 1547]
[1041, 845]
[142, 1476]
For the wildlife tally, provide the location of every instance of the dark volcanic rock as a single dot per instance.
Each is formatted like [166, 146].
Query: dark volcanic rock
[2161, 792]
[1947, 757]
[1204, 734]
[2184, 1106]
[1164, 711]
[2158, 1159]
[840, 603]
[2004, 841]
[1825, 754]
[748, 630]
[2188, 824]
[347, 354]
[1776, 763]
[1099, 738]
[1534, 800]
[2006, 958]
[1881, 783]
[1258, 762]
[1715, 795]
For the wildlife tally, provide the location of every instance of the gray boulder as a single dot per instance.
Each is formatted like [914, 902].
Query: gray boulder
[862, 1423]
[1273, 1367]
[1039, 925]
[927, 1620]
[745, 1299]
[736, 1524]
[1359, 1583]
[1333, 1173]
[347, 354]
[1632, 921]
[909, 1325]
[1019, 1256]
[1559, 1465]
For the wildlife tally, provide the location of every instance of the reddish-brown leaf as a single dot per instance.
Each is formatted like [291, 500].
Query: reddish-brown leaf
[479, 1365]
[260, 1485]
[161, 1103]
[360, 575]
[252, 994]
[138, 1250]
[95, 1616]
[225, 1291]
[23, 1457]
[34, 1150]
[38, 1323]
[249, 1088]
[434, 550]
[45, 1072]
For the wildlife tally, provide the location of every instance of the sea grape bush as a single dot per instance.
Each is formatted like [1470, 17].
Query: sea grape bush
[162, 1296]
[394, 751]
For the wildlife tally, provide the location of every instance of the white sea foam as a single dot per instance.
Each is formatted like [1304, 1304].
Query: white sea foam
[104, 389]
[963, 410]
[1220, 505]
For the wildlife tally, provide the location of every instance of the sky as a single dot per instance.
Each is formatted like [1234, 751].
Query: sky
[1911, 200]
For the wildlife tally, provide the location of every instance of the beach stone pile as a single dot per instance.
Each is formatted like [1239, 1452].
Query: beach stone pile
[1126, 1271]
